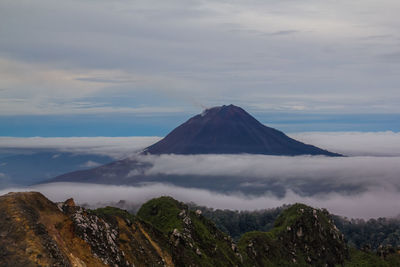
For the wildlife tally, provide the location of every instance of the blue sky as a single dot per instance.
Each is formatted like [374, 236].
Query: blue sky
[121, 68]
[130, 125]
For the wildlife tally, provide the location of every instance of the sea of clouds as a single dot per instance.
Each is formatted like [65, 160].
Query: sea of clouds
[371, 170]
[370, 204]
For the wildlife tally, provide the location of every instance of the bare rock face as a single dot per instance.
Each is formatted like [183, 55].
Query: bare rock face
[102, 237]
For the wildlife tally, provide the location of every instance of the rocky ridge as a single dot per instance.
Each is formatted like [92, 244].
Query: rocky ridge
[302, 235]
[194, 240]
[37, 232]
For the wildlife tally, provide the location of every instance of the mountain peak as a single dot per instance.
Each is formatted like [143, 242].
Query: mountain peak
[220, 110]
[229, 129]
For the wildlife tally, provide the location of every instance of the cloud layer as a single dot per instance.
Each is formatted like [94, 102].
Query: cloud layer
[364, 184]
[354, 143]
[270, 166]
[308, 176]
[370, 204]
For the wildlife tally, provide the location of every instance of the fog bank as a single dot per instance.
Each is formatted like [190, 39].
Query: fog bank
[371, 204]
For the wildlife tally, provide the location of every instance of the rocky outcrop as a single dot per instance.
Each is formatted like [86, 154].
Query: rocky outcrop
[193, 240]
[102, 237]
[302, 235]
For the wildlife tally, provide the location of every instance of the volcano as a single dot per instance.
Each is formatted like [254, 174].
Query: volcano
[230, 130]
[218, 130]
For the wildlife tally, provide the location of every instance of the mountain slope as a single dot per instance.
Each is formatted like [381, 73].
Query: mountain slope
[230, 130]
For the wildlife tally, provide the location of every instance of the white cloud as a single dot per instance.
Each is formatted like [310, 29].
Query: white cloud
[381, 171]
[90, 164]
[374, 203]
[354, 143]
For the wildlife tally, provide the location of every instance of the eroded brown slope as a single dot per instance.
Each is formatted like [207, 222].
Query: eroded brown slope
[36, 232]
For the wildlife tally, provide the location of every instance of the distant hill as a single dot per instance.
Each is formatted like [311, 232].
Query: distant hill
[230, 130]
[37, 232]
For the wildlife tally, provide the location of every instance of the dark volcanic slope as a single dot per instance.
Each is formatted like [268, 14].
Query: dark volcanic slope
[230, 130]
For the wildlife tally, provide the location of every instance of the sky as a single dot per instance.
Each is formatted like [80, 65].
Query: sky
[140, 68]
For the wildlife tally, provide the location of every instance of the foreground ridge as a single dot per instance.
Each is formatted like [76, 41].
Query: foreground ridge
[165, 232]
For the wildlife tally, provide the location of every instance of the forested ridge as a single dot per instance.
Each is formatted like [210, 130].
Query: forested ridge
[359, 233]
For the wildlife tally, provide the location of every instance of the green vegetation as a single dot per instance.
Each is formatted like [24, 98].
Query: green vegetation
[193, 238]
[112, 211]
[291, 235]
[162, 213]
[374, 232]
[358, 232]
[262, 249]
[295, 235]
[291, 215]
[236, 223]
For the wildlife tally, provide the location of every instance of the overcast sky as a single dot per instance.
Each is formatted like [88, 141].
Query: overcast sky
[165, 58]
